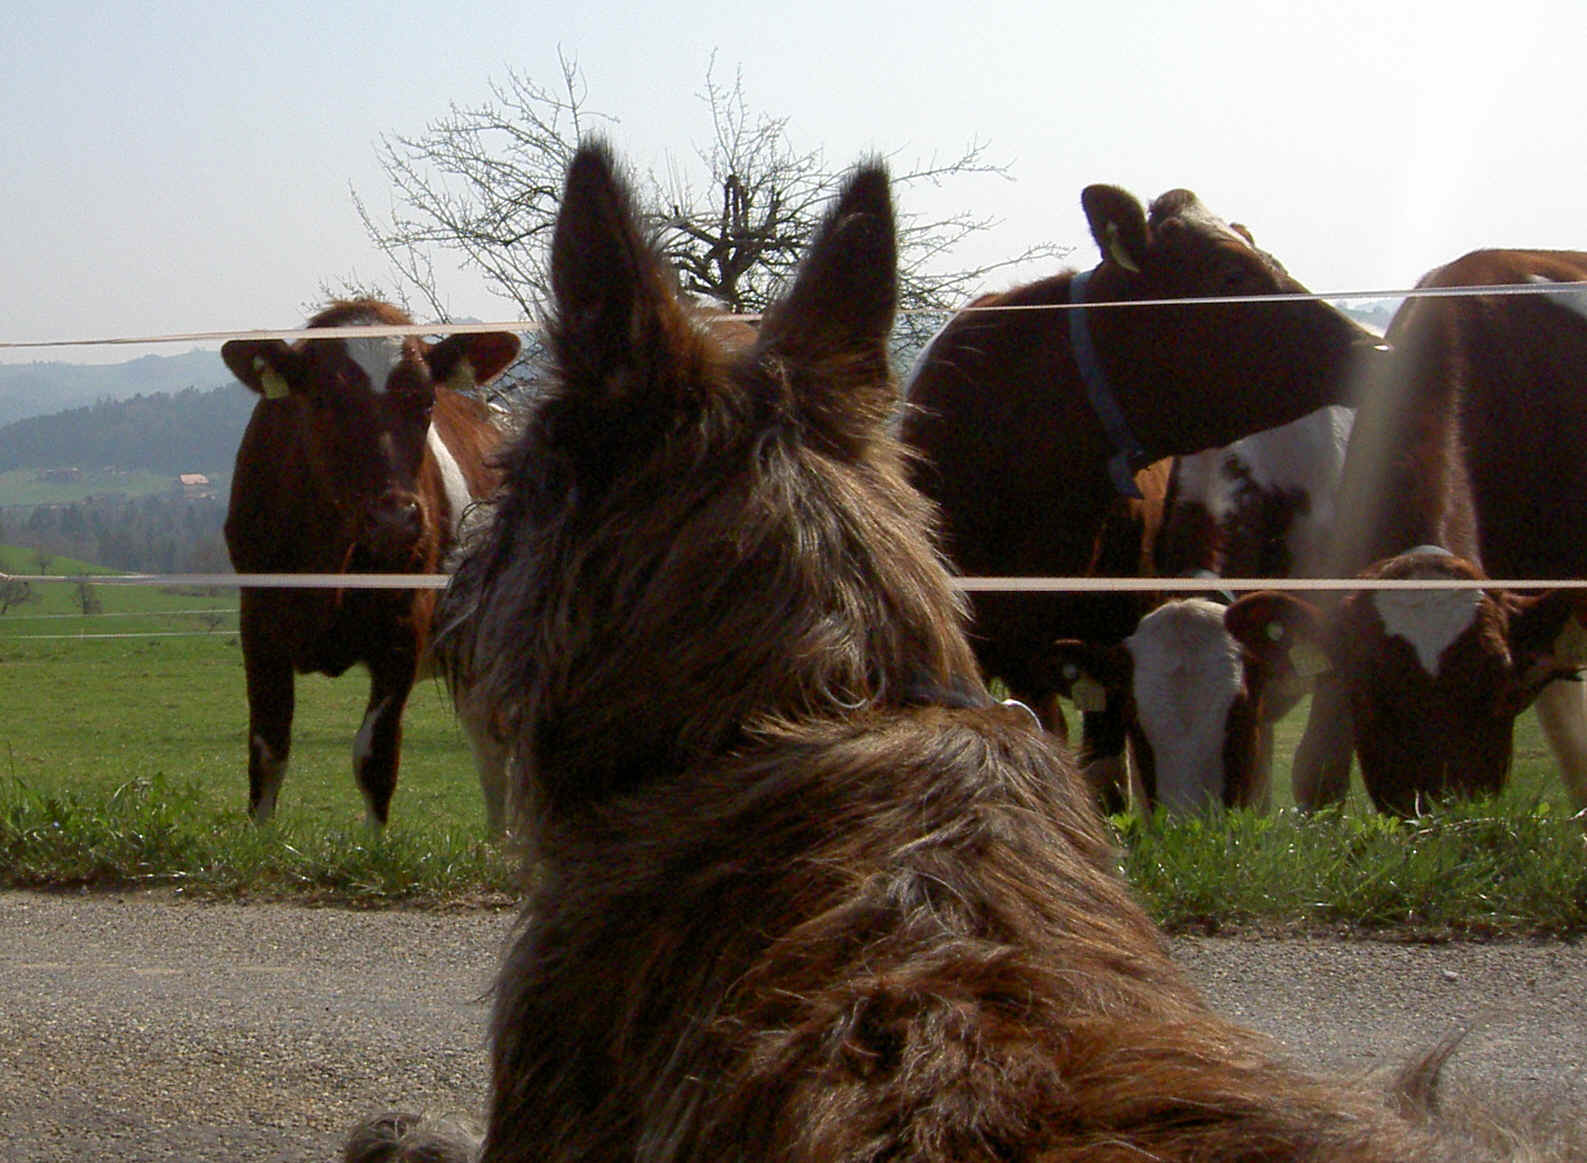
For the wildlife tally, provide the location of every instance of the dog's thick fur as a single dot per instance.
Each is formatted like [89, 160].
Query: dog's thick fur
[801, 890]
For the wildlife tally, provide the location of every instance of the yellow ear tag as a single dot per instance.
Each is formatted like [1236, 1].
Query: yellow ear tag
[1089, 696]
[1308, 660]
[275, 388]
[1117, 252]
[462, 377]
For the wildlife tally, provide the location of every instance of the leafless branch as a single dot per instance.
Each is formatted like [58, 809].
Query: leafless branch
[482, 185]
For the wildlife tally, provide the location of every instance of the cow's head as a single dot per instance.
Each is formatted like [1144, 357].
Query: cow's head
[1191, 698]
[1262, 363]
[1434, 677]
[362, 410]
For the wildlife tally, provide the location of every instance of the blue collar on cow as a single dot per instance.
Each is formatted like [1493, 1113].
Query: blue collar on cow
[1128, 454]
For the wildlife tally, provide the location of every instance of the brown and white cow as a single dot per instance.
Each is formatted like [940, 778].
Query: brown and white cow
[1260, 507]
[360, 457]
[1199, 707]
[1031, 422]
[1195, 705]
[1433, 678]
[1465, 463]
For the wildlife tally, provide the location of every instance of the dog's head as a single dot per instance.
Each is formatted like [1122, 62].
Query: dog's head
[701, 544]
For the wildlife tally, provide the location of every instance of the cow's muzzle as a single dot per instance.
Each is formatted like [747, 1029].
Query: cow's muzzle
[393, 529]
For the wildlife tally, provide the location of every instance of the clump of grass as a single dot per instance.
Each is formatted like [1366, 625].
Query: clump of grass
[1505, 867]
[1501, 867]
[151, 831]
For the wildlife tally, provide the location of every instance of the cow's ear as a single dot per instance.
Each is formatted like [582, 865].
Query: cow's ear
[1547, 638]
[830, 332]
[464, 362]
[1284, 633]
[1091, 676]
[268, 366]
[1118, 223]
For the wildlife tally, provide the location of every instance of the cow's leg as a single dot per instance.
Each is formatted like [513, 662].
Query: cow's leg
[378, 746]
[1260, 798]
[270, 702]
[1103, 758]
[1562, 712]
[1321, 775]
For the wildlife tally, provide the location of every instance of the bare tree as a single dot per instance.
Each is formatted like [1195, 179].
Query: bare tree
[14, 592]
[86, 598]
[482, 184]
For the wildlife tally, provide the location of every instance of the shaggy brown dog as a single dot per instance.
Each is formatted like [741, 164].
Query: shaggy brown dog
[801, 889]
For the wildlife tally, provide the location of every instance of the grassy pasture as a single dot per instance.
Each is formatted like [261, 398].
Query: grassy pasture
[122, 761]
[23, 486]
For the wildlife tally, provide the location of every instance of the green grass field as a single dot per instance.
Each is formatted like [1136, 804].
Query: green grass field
[132, 722]
[22, 486]
[122, 760]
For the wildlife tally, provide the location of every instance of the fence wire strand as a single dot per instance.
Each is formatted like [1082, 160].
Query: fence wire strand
[970, 584]
[535, 327]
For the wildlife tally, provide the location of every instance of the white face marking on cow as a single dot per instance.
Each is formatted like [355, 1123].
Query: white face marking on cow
[377, 356]
[456, 488]
[1188, 672]
[1575, 300]
[1428, 620]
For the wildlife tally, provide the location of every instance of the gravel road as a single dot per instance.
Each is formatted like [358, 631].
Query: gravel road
[140, 1027]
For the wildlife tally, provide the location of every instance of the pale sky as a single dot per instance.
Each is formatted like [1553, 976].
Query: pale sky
[184, 165]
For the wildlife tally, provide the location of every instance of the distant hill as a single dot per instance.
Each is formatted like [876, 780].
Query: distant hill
[36, 389]
[191, 430]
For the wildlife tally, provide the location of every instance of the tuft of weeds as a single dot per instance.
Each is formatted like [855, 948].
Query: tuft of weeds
[153, 831]
[1486, 868]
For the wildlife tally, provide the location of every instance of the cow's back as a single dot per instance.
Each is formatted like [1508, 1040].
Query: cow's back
[1474, 442]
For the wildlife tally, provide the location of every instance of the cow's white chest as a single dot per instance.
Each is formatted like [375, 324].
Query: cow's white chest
[452, 481]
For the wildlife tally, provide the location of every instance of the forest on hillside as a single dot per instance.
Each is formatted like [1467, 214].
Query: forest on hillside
[161, 533]
[160, 433]
[195, 430]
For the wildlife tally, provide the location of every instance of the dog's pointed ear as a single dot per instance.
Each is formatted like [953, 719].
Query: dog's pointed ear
[831, 331]
[616, 327]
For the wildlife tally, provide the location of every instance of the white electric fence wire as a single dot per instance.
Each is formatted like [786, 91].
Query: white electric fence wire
[216, 612]
[524, 325]
[973, 584]
[134, 634]
[438, 581]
